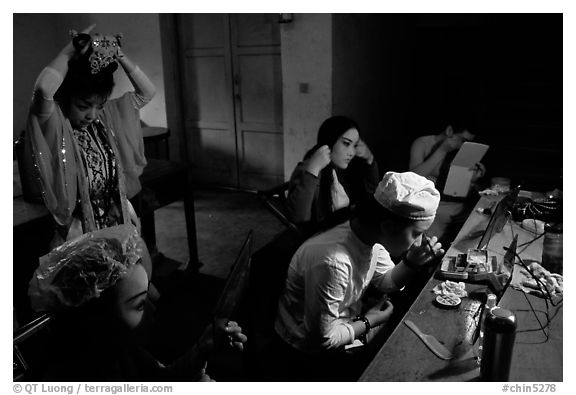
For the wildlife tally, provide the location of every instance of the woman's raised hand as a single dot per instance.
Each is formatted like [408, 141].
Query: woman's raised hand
[119, 53]
[86, 30]
[69, 49]
[362, 151]
[319, 160]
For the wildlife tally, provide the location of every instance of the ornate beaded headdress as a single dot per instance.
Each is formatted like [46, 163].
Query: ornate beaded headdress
[102, 50]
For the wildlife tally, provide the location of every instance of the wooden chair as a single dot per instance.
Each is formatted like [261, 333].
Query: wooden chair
[275, 200]
[267, 281]
[30, 356]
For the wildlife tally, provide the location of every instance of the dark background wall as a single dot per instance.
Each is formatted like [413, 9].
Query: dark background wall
[403, 76]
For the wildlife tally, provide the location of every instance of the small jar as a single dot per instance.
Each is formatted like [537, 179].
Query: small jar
[552, 249]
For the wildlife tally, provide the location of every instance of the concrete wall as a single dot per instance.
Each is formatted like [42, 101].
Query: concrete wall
[39, 37]
[307, 82]
[360, 70]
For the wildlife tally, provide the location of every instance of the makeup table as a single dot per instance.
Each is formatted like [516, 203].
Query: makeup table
[537, 357]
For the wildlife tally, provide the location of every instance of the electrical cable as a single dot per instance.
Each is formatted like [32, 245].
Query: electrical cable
[549, 319]
[542, 327]
[528, 243]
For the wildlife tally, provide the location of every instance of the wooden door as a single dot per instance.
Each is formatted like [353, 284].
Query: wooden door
[206, 97]
[232, 98]
[257, 76]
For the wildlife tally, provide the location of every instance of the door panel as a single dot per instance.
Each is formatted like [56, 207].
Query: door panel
[233, 98]
[218, 151]
[207, 89]
[258, 84]
[261, 152]
[261, 100]
[208, 102]
[257, 29]
[203, 31]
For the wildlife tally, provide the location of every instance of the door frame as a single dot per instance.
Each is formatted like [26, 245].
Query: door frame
[174, 91]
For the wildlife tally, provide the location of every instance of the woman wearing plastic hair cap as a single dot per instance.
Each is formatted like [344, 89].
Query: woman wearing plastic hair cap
[96, 288]
[83, 268]
[408, 195]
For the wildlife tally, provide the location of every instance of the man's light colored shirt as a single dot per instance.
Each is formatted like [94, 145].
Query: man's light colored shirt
[326, 280]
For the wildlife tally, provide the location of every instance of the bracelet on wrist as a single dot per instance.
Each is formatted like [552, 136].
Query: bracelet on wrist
[367, 326]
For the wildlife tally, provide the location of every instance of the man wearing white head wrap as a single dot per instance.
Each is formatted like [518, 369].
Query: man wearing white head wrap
[408, 195]
[321, 309]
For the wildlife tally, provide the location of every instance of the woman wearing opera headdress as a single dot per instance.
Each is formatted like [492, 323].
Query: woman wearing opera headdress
[83, 151]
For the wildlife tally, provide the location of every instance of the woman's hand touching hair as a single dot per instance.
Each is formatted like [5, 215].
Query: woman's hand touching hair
[318, 160]
[78, 46]
[362, 151]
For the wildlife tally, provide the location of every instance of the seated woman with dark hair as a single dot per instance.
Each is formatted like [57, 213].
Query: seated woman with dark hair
[338, 172]
[96, 288]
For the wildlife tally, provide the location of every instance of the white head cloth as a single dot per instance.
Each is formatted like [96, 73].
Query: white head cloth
[408, 195]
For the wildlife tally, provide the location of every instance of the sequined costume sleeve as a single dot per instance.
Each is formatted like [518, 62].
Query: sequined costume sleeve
[49, 156]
